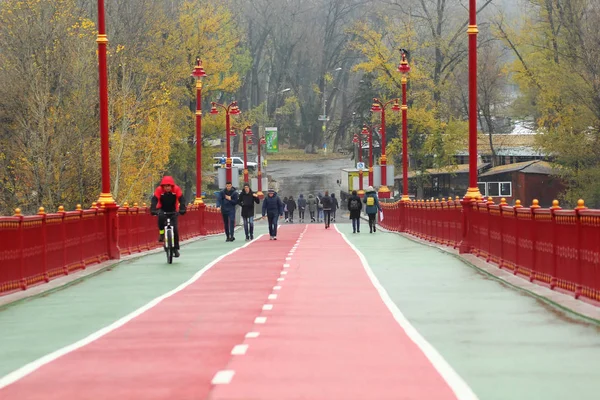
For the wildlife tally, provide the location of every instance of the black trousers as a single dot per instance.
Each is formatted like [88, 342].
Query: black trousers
[372, 221]
[301, 213]
[162, 220]
[272, 219]
[327, 217]
[229, 223]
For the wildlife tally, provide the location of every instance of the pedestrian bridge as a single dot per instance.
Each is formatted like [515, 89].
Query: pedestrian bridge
[318, 314]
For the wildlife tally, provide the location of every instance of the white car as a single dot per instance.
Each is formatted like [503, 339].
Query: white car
[236, 162]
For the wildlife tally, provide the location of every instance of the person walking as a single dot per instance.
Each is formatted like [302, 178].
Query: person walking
[334, 206]
[301, 207]
[291, 207]
[372, 208]
[319, 207]
[327, 204]
[272, 207]
[311, 203]
[355, 207]
[247, 199]
[228, 200]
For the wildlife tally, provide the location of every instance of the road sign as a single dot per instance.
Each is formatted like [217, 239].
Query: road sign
[360, 165]
[272, 140]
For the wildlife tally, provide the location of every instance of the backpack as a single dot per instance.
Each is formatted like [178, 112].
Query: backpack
[370, 201]
[354, 205]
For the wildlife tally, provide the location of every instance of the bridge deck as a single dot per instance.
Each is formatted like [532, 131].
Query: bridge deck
[326, 329]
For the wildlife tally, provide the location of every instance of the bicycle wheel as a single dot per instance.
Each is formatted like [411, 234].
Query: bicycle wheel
[169, 248]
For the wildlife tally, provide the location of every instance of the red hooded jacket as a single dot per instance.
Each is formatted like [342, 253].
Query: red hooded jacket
[168, 180]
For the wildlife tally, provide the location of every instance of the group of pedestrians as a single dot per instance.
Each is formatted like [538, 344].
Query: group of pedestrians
[372, 207]
[317, 206]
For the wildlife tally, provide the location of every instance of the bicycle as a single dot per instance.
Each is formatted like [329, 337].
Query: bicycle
[169, 243]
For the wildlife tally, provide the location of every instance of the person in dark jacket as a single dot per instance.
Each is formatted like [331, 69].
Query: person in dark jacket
[229, 199]
[272, 207]
[291, 207]
[355, 206]
[334, 206]
[168, 198]
[311, 203]
[373, 206]
[301, 207]
[247, 199]
[327, 204]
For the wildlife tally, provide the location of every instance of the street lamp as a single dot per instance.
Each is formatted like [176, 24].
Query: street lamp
[198, 73]
[231, 109]
[379, 106]
[261, 142]
[368, 131]
[473, 190]
[404, 69]
[324, 117]
[247, 135]
[106, 197]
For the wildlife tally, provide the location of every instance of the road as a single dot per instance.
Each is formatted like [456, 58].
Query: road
[296, 177]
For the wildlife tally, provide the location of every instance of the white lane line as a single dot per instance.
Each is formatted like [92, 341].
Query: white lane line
[223, 377]
[239, 349]
[288, 258]
[276, 287]
[260, 320]
[34, 365]
[280, 279]
[283, 272]
[456, 383]
[272, 297]
[267, 307]
[286, 265]
[251, 335]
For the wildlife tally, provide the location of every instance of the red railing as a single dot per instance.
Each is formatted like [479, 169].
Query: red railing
[551, 246]
[38, 248]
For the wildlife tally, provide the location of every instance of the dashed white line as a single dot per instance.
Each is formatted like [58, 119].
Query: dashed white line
[286, 265]
[251, 335]
[283, 272]
[223, 377]
[239, 350]
[260, 320]
[267, 307]
[272, 297]
[276, 287]
[280, 279]
[288, 258]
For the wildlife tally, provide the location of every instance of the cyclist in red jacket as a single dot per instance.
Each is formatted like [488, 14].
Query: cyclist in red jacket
[168, 198]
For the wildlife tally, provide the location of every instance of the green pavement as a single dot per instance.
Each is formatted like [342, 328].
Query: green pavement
[35, 327]
[505, 344]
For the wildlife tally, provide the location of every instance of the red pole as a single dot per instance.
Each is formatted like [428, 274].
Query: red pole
[106, 197]
[198, 200]
[245, 158]
[473, 190]
[404, 142]
[259, 193]
[384, 191]
[371, 157]
[227, 139]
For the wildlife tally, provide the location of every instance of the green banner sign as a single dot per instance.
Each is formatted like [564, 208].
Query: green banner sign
[271, 139]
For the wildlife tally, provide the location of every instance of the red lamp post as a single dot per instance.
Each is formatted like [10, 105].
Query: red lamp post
[231, 109]
[379, 106]
[247, 135]
[369, 132]
[473, 190]
[106, 197]
[261, 142]
[198, 73]
[404, 69]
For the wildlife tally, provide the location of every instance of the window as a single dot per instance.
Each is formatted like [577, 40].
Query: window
[495, 189]
[482, 190]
